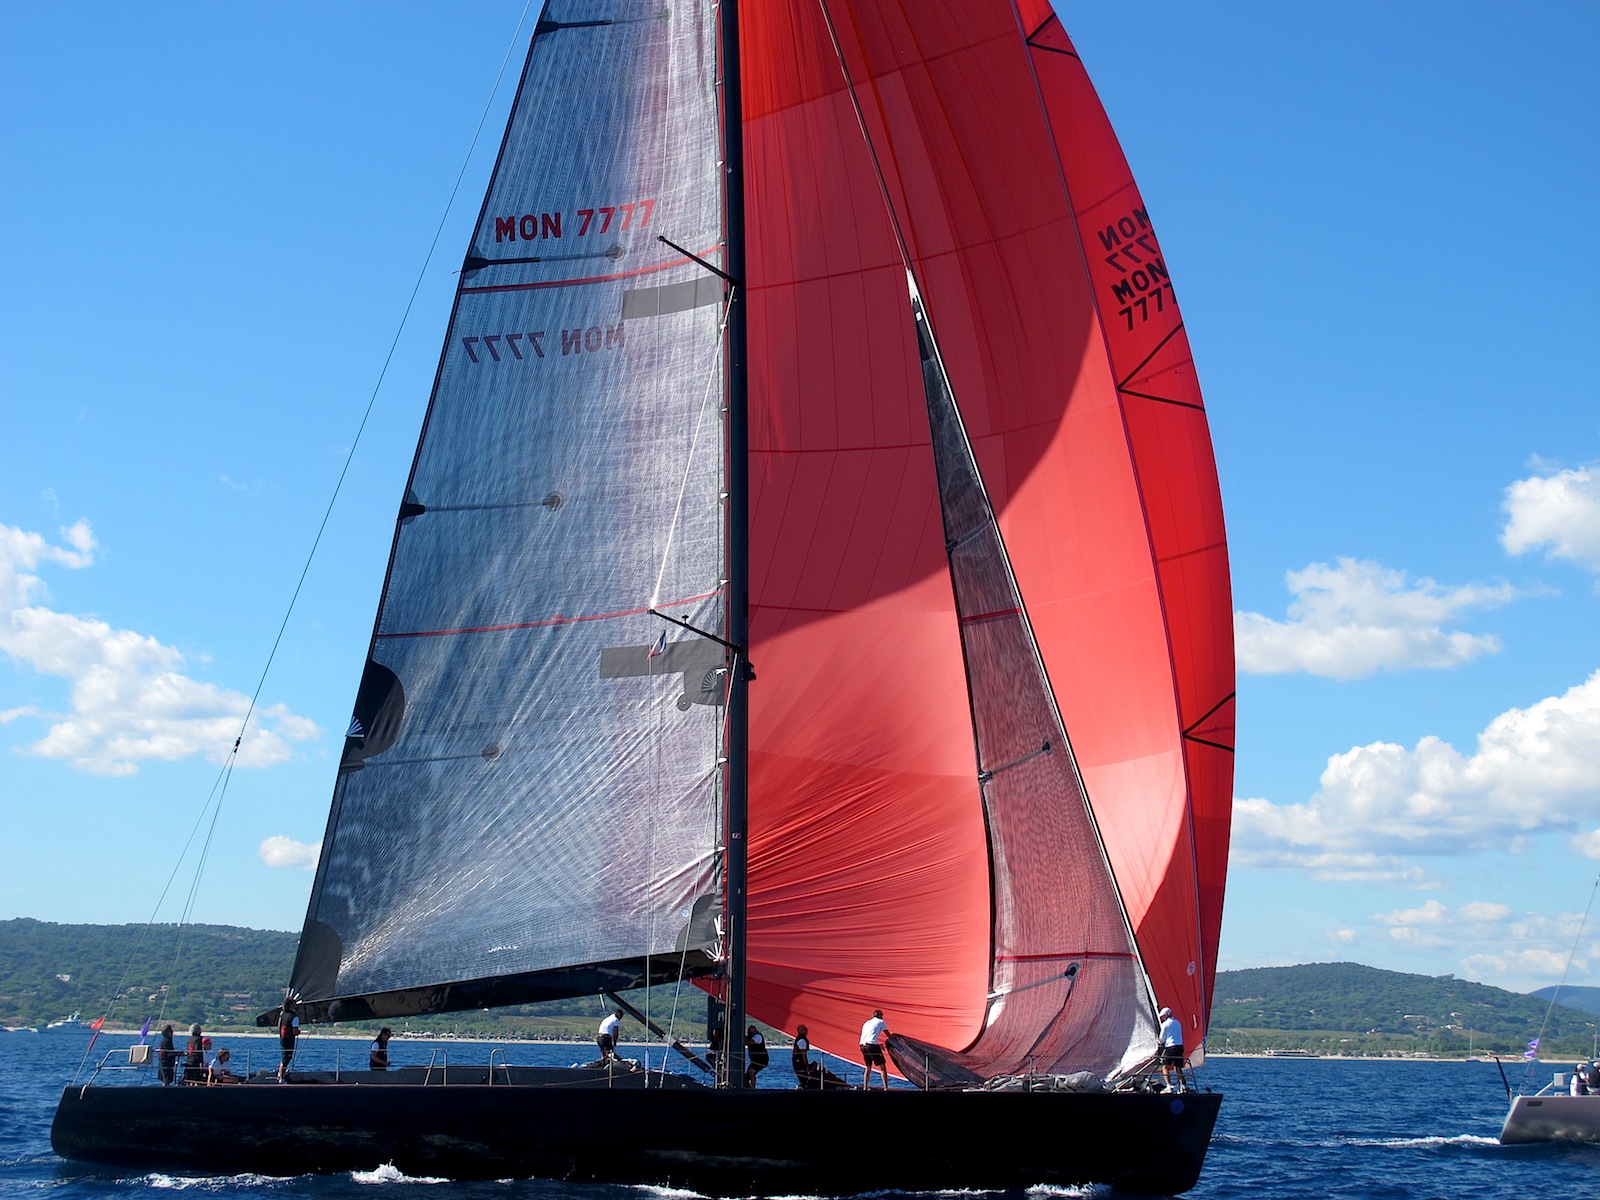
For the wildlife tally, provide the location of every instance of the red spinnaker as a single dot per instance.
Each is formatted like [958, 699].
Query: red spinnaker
[949, 139]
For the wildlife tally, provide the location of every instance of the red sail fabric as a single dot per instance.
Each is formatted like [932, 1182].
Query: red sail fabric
[869, 880]
[869, 865]
[1170, 446]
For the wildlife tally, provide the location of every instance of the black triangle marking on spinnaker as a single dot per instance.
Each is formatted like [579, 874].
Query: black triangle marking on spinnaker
[1145, 361]
[1189, 734]
[1052, 50]
[1052, 19]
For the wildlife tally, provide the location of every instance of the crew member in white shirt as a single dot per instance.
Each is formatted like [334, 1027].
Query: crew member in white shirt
[606, 1039]
[873, 1036]
[1169, 1056]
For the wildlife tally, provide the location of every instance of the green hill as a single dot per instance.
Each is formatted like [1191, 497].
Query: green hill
[223, 976]
[1348, 1008]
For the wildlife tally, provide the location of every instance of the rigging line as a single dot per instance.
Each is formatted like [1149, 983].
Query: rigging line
[144, 932]
[383, 371]
[1571, 954]
[694, 629]
[688, 466]
[338, 486]
[721, 274]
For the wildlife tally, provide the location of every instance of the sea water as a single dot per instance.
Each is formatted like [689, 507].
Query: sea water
[1291, 1128]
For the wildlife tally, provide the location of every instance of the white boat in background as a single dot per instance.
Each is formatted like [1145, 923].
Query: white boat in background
[71, 1022]
[1552, 1115]
[1565, 1109]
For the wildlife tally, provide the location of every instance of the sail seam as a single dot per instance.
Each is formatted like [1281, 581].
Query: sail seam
[1018, 958]
[1189, 404]
[1164, 559]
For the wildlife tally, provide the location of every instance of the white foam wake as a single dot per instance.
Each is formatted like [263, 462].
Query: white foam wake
[389, 1173]
[179, 1183]
[1461, 1139]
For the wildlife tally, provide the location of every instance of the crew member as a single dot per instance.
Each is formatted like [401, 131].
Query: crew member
[874, 1035]
[1169, 1055]
[606, 1039]
[288, 1032]
[756, 1047]
[378, 1052]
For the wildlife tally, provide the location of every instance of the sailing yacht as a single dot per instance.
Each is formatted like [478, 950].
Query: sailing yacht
[811, 587]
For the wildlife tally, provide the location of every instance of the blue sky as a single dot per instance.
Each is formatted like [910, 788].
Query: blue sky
[1381, 223]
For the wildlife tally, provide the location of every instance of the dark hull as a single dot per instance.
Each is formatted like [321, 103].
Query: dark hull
[721, 1143]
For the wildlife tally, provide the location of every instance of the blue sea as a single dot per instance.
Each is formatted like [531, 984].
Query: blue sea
[1311, 1129]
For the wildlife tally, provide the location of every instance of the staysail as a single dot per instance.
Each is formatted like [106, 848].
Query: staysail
[528, 804]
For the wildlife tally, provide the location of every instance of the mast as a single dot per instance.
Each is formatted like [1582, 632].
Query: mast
[738, 712]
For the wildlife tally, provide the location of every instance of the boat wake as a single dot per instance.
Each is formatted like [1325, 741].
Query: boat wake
[389, 1173]
[1461, 1139]
[215, 1183]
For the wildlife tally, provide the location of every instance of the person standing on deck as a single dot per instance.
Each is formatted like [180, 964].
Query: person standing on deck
[873, 1036]
[800, 1056]
[606, 1039]
[378, 1052]
[194, 1056]
[1169, 1053]
[166, 1057]
[756, 1046]
[288, 1031]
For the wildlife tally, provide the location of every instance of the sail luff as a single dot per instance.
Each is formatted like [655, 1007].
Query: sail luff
[737, 725]
[302, 969]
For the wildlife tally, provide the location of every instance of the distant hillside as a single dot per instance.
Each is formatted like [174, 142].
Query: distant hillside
[223, 975]
[1350, 1008]
[1585, 998]
[48, 971]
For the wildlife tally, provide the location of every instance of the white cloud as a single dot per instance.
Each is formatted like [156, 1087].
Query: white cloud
[1536, 770]
[1527, 947]
[1559, 511]
[1548, 965]
[1355, 618]
[1263, 837]
[1343, 937]
[131, 700]
[280, 851]
[1430, 913]
[1588, 844]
